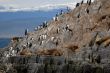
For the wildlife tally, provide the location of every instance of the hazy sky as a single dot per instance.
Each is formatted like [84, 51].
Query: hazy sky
[33, 3]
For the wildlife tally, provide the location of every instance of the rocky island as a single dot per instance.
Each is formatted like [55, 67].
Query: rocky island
[74, 42]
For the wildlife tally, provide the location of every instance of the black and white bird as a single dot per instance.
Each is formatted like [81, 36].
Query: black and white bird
[77, 4]
[89, 2]
[82, 2]
[26, 32]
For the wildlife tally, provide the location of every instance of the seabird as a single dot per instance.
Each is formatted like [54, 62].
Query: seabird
[77, 4]
[26, 32]
[82, 2]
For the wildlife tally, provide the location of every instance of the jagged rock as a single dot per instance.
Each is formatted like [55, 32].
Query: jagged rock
[81, 36]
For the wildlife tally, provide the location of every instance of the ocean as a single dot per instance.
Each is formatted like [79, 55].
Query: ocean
[14, 23]
[4, 42]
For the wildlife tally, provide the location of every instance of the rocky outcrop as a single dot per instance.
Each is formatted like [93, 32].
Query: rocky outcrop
[76, 42]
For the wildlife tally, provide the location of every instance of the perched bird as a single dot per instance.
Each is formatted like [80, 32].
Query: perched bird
[82, 2]
[26, 32]
[77, 4]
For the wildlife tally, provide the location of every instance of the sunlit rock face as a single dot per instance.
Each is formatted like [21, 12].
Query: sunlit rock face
[77, 42]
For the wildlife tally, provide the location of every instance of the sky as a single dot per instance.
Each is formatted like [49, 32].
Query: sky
[6, 5]
[28, 3]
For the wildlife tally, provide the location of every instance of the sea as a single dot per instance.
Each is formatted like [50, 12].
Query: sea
[14, 23]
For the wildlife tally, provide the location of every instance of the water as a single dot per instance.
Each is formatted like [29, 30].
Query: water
[14, 23]
[4, 42]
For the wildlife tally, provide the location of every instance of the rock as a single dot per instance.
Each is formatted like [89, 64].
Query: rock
[78, 42]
